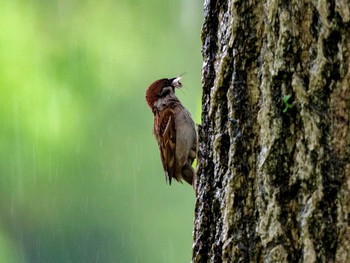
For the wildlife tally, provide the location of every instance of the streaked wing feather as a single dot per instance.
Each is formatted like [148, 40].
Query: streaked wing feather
[167, 143]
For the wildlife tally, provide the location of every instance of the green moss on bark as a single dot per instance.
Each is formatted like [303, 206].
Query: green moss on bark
[274, 186]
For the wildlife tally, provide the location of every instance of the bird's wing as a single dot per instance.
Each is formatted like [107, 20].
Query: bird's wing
[167, 143]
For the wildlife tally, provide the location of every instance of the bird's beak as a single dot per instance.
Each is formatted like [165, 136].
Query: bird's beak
[176, 82]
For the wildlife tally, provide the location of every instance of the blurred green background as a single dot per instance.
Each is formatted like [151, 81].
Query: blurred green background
[80, 173]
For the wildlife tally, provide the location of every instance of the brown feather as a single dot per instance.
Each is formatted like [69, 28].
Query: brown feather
[166, 136]
[154, 90]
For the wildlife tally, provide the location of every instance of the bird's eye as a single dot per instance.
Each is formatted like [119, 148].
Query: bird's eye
[164, 92]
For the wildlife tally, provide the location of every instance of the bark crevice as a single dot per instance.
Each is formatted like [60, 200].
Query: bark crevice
[274, 186]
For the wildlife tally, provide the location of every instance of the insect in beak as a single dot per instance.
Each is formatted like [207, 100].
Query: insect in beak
[176, 82]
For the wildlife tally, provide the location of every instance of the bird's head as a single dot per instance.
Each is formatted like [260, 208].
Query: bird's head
[160, 89]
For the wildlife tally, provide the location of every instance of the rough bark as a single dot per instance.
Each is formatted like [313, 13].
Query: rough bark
[274, 186]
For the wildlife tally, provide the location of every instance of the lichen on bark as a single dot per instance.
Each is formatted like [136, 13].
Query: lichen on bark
[274, 186]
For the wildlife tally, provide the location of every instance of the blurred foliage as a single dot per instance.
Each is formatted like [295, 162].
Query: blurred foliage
[81, 178]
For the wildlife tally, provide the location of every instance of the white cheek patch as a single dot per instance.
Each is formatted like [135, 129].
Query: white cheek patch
[157, 104]
[160, 104]
[176, 82]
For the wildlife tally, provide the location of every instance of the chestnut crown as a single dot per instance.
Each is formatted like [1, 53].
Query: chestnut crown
[161, 88]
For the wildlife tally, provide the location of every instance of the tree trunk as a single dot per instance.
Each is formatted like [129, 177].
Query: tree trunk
[274, 144]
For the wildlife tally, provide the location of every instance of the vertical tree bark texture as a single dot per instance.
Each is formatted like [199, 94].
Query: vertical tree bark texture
[274, 186]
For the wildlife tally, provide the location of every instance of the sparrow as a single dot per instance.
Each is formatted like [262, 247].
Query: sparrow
[173, 129]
